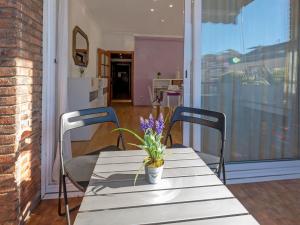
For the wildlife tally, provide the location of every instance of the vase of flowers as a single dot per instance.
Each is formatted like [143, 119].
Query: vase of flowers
[151, 143]
[158, 75]
[81, 71]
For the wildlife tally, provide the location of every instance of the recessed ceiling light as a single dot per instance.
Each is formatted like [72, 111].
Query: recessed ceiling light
[171, 6]
[152, 10]
[162, 20]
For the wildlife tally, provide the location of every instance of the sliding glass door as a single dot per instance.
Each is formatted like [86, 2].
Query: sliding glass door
[249, 70]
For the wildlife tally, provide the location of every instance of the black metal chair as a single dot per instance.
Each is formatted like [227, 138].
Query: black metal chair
[79, 169]
[215, 120]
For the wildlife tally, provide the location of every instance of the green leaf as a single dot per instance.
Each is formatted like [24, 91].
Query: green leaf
[131, 132]
[138, 173]
[135, 145]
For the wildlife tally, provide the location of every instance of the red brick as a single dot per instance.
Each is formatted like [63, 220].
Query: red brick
[10, 196]
[9, 100]
[7, 159]
[7, 183]
[6, 120]
[8, 110]
[7, 139]
[20, 107]
[6, 91]
[8, 129]
[7, 71]
[7, 62]
[7, 169]
[7, 149]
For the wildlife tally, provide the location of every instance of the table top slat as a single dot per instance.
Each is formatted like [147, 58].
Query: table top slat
[162, 213]
[131, 153]
[140, 158]
[168, 173]
[116, 167]
[233, 220]
[141, 185]
[154, 197]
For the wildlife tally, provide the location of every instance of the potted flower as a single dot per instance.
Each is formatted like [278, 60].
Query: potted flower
[158, 75]
[81, 71]
[151, 143]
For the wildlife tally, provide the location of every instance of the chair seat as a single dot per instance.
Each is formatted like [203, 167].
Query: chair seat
[107, 148]
[80, 169]
[210, 160]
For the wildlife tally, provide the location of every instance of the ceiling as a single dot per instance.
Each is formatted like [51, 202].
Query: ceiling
[136, 17]
[156, 17]
[222, 11]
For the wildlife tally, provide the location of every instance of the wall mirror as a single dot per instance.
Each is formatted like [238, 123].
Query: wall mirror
[80, 47]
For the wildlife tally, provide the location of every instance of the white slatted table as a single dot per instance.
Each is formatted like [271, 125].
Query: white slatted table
[189, 193]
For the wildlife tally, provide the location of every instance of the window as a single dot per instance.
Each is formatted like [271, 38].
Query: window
[250, 72]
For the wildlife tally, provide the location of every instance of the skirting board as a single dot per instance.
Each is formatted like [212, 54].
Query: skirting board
[237, 173]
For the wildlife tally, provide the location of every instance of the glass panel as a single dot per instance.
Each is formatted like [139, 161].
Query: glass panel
[250, 72]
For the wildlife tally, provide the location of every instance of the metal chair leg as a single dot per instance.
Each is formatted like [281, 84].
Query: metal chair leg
[224, 172]
[60, 213]
[67, 211]
[62, 185]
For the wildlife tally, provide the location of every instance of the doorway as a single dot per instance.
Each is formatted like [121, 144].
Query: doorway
[49, 187]
[121, 76]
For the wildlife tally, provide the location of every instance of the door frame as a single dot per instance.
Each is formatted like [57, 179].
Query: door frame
[192, 68]
[187, 67]
[48, 111]
[49, 189]
[131, 77]
[101, 51]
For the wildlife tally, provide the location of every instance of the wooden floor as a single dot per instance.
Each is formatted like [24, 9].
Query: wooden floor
[271, 203]
[129, 117]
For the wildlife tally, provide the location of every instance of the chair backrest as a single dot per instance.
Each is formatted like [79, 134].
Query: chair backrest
[212, 119]
[87, 117]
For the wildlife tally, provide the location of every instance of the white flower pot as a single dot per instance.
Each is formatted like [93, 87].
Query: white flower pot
[153, 174]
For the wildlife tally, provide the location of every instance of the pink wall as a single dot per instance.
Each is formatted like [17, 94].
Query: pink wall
[152, 55]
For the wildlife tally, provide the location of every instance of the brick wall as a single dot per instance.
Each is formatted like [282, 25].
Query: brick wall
[20, 107]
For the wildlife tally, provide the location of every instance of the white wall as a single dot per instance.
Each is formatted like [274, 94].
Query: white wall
[118, 41]
[80, 16]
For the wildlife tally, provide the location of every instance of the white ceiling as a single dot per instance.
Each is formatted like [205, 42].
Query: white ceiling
[135, 17]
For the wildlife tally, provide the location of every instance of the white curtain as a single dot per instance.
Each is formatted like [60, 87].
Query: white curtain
[250, 72]
[62, 79]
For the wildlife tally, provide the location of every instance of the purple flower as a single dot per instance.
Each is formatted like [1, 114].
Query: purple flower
[159, 124]
[151, 121]
[143, 124]
[147, 124]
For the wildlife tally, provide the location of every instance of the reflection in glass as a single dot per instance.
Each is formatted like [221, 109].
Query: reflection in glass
[250, 72]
